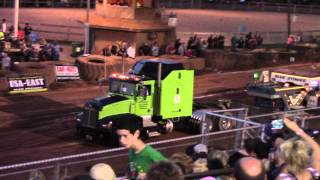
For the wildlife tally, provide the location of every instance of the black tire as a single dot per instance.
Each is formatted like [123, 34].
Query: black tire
[92, 67]
[225, 124]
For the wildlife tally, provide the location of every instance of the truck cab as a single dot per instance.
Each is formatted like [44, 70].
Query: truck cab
[158, 91]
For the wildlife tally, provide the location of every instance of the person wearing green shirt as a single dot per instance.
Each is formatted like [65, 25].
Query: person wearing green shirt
[141, 156]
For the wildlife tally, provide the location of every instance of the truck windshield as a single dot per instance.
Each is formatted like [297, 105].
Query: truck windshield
[121, 87]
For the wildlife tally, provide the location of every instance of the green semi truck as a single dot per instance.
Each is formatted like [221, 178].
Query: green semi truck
[158, 91]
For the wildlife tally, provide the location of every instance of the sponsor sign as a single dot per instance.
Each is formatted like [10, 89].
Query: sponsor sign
[284, 78]
[26, 84]
[67, 73]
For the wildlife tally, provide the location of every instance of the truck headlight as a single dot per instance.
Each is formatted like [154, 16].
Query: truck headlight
[107, 125]
[78, 116]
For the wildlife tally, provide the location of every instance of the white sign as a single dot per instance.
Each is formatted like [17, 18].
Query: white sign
[284, 78]
[67, 72]
[26, 84]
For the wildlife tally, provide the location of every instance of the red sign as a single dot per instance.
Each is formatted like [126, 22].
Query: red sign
[67, 72]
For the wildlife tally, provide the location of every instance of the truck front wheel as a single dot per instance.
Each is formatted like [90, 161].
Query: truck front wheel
[168, 127]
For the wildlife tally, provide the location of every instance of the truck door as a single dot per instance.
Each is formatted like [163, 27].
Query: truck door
[144, 100]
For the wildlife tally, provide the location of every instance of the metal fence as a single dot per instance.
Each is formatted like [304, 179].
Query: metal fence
[48, 3]
[237, 5]
[55, 168]
[245, 127]
[76, 33]
[183, 4]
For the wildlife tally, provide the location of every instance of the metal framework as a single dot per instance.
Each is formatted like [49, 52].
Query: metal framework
[245, 128]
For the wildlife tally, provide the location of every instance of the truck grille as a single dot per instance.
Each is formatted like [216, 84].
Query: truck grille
[90, 117]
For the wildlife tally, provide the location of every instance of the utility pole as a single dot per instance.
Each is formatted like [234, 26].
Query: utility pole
[86, 29]
[16, 18]
[289, 17]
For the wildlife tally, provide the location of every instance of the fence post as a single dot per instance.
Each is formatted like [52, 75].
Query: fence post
[204, 129]
[56, 171]
[65, 174]
[240, 135]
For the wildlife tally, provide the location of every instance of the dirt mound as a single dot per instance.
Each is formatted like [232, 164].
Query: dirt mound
[45, 69]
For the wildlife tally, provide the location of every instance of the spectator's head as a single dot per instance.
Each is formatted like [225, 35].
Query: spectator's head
[200, 165]
[3, 54]
[200, 151]
[128, 128]
[234, 157]
[27, 24]
[217, 159]
[249, 168]
[37, 175]
[183, 161]
[102, 171]
[4, 20]
[250, 146]
[164, 170]
[295, 153]
[262, 149]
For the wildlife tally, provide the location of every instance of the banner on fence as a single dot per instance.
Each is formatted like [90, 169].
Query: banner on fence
[67, 73]
[26, 84]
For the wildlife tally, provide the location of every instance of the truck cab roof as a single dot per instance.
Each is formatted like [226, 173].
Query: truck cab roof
[149, 68]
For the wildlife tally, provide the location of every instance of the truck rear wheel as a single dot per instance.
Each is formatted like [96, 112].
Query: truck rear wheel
[225, 124]
[196, 126]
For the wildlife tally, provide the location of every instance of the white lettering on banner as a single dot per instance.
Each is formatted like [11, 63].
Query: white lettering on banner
[26, 84]
[16, 83]
[34, 82]
[284, 79]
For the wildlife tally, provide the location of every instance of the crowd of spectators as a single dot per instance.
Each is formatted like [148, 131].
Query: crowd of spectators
[119, 48]
[250, 41]
[120, 2]
[195, 45]
[288, 154]
[27, 46]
